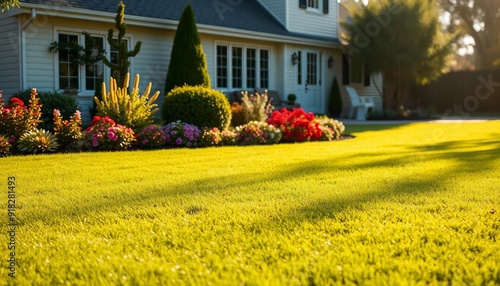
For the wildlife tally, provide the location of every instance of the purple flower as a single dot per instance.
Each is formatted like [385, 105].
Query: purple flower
[178, 141]
[145, 141]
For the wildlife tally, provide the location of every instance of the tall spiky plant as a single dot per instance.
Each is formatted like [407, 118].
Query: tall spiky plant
[120, 68]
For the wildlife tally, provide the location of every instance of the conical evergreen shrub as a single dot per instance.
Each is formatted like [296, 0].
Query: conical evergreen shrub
[188, 65]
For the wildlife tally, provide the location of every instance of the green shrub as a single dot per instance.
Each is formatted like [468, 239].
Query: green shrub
[132, 110]
[65, 103]
[197, 105]
[37, 141]
[335, 100]
[188, 64]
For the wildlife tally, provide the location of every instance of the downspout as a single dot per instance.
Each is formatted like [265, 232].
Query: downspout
[24, 83]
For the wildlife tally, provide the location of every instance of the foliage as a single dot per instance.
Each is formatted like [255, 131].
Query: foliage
[37, 141]
[229, 138]
[337, 127]
[151, 137]
[480, 20]
[335, 100]
[49, 101]
[7, 4]
[16, 118]
[68, 132]
[401, 39]
[131, 110]
[188, 64]
[210, 137]
[197, 105]
[181, 134]
[120, 68]
[104, 134]
[402, 204]
[258, 133]
[292, 97]
[296, 125]
[237, 114]
[256, 107]
[4, 146]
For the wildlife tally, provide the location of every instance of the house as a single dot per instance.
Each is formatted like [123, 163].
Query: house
[287, 46]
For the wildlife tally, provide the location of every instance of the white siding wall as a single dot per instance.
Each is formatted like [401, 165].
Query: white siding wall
[277, 8]
[313, 23]
[9, 56]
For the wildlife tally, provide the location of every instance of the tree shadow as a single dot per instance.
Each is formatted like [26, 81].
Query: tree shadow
[466, 160]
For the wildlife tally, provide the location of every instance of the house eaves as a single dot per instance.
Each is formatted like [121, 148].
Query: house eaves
[268, 29]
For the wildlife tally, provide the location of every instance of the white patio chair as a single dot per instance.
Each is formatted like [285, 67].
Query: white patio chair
[359, 104]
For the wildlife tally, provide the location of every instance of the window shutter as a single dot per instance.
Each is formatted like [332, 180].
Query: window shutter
[302, 4]
[345, 69]
[366, 80]
[325, 6]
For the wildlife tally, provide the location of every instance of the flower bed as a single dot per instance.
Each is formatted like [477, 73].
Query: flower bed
[19, 131]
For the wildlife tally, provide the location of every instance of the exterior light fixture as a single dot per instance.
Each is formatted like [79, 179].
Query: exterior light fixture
[331, 61]
[295, 58]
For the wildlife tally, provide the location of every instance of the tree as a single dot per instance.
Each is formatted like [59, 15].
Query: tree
[188, 64]
[479, 19]
[7, 4]
[402, 40]
[335, 101]
[120, 68]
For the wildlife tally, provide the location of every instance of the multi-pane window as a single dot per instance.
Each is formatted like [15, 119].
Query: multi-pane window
[312, 68]
[313, 4]
[222, 66]
[251, 68]
[85, 74]
[94, 72]
[237, 67]
[264, 68]
[69, 68]
[240, 67]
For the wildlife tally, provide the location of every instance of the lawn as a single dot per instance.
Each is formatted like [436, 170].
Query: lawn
[412, 204]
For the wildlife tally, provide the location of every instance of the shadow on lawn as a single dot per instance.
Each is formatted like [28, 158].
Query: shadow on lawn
[481, 158]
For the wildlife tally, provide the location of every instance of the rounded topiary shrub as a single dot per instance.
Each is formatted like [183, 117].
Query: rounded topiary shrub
[197, 105]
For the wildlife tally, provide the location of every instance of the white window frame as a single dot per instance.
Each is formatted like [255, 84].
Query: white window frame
[82, 91]
[229, 68]
[310, 7]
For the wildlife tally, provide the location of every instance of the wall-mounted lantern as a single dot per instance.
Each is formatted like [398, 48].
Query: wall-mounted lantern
[331, 61]
[295, 58]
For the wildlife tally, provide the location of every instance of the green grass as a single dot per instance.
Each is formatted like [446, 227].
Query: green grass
[400, 204]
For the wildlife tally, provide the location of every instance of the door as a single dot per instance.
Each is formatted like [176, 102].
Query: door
[309, 80]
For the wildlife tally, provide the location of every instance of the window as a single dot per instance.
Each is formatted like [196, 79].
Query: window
[312, 68]
[251, 68]
[74, 75]
[68, 64]
[239, 67]
[356, 68]
[314, 4]
[264, 68]
[94, 73]
[222, 66]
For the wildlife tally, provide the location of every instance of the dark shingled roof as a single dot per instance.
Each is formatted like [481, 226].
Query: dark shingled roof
[244, 14]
